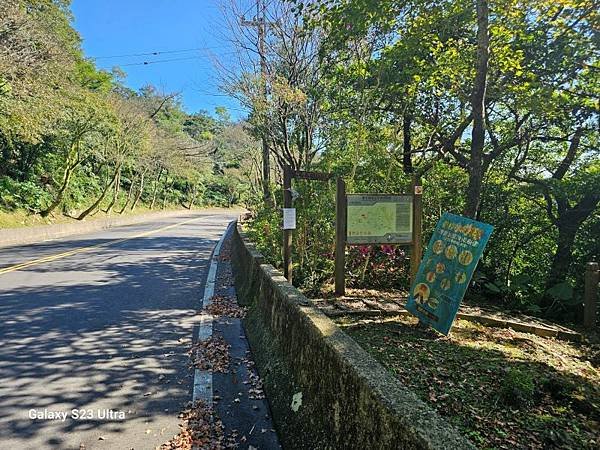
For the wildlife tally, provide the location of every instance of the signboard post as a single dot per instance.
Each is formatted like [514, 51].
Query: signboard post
[289, 213]
[446, 270]
[340, 237]
[416, 249]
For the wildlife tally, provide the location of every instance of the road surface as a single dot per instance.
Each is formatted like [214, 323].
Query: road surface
[97, 328]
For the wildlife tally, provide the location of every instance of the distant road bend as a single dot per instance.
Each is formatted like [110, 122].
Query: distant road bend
[94, 332]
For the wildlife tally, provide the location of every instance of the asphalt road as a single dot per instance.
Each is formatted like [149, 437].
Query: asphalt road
[103, 329]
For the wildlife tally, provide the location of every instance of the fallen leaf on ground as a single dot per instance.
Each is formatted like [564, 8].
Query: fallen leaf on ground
[225, 307]
[200, 428]
[211, 354]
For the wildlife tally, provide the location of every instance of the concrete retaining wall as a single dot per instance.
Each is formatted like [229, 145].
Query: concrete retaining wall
[325, 391]
[31, 235]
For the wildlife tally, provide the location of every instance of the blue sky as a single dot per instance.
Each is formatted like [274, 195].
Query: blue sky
[130, 27]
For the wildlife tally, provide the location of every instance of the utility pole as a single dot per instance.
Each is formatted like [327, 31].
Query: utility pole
[260, 23]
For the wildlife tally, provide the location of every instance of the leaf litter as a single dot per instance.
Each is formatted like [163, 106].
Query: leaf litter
[225, 307]
[502, 388]
[200, 428]
[211, 354]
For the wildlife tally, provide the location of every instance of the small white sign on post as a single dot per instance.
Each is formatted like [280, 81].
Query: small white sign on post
[289, 218]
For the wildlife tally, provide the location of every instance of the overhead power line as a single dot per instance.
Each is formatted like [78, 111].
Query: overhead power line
[156, 53]
[187, 58]
[147, 63]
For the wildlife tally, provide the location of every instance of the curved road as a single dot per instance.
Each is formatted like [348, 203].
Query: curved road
[101, 324]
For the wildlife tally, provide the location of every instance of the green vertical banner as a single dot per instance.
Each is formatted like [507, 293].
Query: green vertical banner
[446, 270]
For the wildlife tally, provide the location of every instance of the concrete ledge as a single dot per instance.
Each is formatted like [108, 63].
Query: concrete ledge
[543, 331]
[32, 235]
[325, 391]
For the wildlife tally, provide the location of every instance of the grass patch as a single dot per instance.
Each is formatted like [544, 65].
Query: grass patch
[503, 389]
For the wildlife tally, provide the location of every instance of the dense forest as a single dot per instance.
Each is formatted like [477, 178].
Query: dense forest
[74, 141]
[493, 105]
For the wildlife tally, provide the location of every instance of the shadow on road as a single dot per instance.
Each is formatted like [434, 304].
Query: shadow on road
[103, 329]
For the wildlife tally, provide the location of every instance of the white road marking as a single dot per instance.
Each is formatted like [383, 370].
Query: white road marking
[203, 379]
[205, 328]
[203, 389]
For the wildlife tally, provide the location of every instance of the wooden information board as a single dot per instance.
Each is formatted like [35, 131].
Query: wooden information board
[379, 219]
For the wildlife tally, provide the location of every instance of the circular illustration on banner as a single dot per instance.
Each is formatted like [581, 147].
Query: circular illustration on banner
[440, 267]
[451, 252]
[430, 277]
[438, 247]
[465, 257]
[433, 303]
[445, 284]
[461, 277]
[421, 293]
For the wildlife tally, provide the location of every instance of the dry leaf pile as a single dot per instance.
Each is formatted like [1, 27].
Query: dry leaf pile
[200, 428]
[225, 306]
[211, 354]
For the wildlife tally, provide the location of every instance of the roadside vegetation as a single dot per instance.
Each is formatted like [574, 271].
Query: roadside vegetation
[75, 142]
[492, 105]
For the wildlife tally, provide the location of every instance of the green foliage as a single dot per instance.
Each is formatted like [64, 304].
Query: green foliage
[395, 89]
[562, 292]
[72, 136]
[22, 195]
[517, 388]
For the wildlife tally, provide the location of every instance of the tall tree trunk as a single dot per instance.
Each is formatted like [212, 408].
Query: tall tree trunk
[140, 190]
[156, 189]
[71, 164]
[406, 143]
[193, 198]
[561, 261]
[129, 193]
[569, 222]
[266, 172]
[85, 213]
[165, 192]
[117, 186]
[476, 162]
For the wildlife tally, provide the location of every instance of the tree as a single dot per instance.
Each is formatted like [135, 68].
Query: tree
[280, 88]
[38, 49]
[79, 135]
[130, 133]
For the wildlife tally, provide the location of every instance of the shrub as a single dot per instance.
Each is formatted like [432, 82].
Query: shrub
[22, 195]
